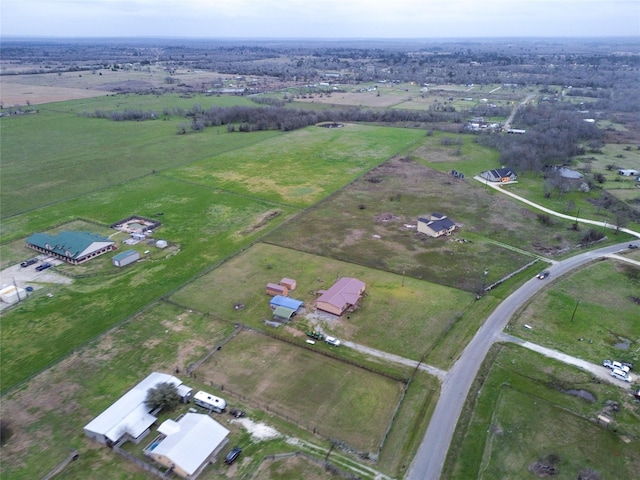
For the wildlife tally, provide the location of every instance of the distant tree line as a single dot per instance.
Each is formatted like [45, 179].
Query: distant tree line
[247, 118]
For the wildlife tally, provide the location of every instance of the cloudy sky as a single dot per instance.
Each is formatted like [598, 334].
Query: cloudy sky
[320, 18]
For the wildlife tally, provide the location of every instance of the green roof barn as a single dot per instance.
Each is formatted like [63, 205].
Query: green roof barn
[72, 247]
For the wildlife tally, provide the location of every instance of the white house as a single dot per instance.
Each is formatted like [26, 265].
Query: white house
[188, 444]
[628, 172]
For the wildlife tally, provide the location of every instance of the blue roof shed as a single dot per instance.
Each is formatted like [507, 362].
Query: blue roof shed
[280, 301]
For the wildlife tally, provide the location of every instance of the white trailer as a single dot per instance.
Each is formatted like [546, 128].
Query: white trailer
[210, 402]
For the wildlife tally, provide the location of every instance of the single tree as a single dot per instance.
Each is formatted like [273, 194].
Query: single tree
[163, 395]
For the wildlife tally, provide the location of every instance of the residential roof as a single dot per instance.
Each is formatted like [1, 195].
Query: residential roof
[190, 440]
[500, 172]
[439, 225]
[282, 301]
[70, 244]
[129, 414]
[346, 291]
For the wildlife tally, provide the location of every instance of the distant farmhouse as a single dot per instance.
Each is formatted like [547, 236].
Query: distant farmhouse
[499, 175]
[436, 225]
[72, 247]
[187, 446]
[343, 295]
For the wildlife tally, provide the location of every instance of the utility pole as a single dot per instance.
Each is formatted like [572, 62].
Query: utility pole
[574, 311]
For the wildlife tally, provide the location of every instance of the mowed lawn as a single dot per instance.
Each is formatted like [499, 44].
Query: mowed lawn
[598, 304]
[303, 166]
[403, 316]
[336, 399]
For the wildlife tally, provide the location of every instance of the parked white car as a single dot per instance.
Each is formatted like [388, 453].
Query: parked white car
[620, 375]
[332, 341]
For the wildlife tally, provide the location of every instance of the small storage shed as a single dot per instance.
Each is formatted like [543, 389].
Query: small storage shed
[288, 302]
[125, 258]
[275, 289]
[290, 283]
[162, 244]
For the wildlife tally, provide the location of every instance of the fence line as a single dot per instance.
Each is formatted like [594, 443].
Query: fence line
[324, 464]
[141, 463]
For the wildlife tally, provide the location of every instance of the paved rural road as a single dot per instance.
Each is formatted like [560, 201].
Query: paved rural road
[432, 452]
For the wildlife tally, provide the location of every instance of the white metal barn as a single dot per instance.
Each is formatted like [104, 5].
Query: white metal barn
[129, 415]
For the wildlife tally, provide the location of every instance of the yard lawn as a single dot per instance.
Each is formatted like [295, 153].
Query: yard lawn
[335, 399]
[301, 167]
[578, 315]
[402, 316]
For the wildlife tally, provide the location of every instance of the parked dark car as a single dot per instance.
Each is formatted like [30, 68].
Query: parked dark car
[233, 455]
[632, 246]
[43, 266]
[236, 413]
[31, 261]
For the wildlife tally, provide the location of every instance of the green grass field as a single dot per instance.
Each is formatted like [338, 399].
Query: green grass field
[595, 304]
[324, 395]
[302, 167]
[204, 226]
[522, 414]
[404, 319]
[69, 155]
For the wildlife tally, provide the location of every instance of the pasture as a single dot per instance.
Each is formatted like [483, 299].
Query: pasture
[373, 223]
[322, 394]
[392, 316]
[302, 167]
[204, 223]
[72, 155]
[527, 407]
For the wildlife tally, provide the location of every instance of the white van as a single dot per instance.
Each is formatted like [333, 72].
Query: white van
[620, 375]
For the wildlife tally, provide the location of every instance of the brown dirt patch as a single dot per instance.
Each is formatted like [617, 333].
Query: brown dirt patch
[14, 94]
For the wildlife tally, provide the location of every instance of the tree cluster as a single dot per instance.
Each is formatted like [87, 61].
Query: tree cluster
[555, 133]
